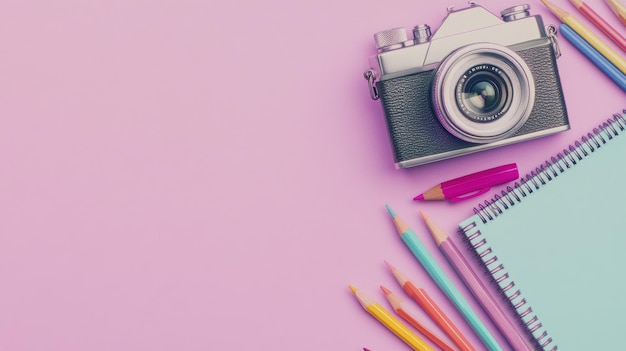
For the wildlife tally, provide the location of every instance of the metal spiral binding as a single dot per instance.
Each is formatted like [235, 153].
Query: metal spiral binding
[556, 165]
[533, 181]
[507, 286]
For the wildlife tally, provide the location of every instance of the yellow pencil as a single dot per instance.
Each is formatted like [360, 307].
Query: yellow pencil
[391, 322]
[618, 8]
[616, 59]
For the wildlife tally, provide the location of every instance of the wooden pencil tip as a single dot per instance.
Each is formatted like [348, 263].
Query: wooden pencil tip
[352, 288]
[392, 213]
[385, 290]
[399, 276]
[389, 266]
[401, 227]
[557, 11]
[438, 234]
[423, 216]
[577, 3]
[547, 4]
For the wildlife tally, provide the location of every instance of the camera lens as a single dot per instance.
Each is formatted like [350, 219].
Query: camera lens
[483, 92]
[481, 96]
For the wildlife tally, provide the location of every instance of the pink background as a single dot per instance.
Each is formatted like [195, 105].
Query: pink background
[211, 175]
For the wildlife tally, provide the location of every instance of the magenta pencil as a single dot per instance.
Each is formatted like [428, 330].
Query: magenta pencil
[476, 286]
[471, 185]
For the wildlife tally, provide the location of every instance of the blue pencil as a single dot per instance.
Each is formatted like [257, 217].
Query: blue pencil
[439, 276]
[594, 56]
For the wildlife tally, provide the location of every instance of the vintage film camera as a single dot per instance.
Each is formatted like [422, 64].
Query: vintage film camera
[479, 82]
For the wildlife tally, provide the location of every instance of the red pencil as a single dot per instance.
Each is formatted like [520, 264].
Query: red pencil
[432, 309]
[397, 305]
[600, 23]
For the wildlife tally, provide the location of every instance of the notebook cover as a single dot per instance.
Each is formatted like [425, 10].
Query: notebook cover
[560, 238]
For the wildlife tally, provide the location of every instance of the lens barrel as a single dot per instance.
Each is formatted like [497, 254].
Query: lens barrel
[483, 92]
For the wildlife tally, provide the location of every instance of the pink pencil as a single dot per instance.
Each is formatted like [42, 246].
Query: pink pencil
[600, 23]
[476, 286]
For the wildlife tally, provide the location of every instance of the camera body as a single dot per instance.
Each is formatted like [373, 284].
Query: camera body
[479, 82]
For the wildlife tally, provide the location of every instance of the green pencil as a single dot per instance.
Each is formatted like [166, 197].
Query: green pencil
[434, 270]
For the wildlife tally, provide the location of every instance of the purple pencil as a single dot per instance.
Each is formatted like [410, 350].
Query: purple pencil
[476, 286]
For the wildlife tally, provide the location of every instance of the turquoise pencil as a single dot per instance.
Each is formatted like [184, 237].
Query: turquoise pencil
[434, 270]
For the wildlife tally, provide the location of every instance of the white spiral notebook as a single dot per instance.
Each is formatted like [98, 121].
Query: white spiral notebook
[555, 244]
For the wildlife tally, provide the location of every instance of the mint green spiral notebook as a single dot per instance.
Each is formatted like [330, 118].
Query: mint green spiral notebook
[555, 244]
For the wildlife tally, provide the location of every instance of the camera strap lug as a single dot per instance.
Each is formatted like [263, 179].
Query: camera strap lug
[551, 29]
[370, 76]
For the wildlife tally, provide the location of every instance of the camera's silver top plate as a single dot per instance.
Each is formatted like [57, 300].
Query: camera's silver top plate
[460, 28]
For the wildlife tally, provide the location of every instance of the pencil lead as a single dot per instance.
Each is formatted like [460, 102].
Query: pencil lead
[390, 266]
[401, 227]
[391, 212]
[557, 11]
[437, 233]
[423, 216]
[385, 290]
[419, 197]
[352, 288]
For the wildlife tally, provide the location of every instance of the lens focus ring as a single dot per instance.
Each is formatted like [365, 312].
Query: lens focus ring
[483, 92]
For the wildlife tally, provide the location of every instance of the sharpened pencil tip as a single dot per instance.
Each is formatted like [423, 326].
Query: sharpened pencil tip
[577, 3]
[391, 212]
[366, 349]
[352, 288]
[423, 215]
[385, 290]
[438, 234]
[390, 266]
[557, 11]
[419, 197]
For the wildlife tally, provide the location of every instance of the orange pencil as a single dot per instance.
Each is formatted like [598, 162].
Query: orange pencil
[618, 8]
[397, 305]
[432, 309]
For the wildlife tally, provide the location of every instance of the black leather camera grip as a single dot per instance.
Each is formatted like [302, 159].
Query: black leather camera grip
[413, 128]
[416, 132]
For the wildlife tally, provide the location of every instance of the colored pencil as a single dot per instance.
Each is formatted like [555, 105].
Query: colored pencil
[606, 51]
[398, 305]
[471, 185]
[436, 272]
[431, 308]
[392, 323]
[618, 8]
[476, 286]
[594, 56]
[603, 25]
